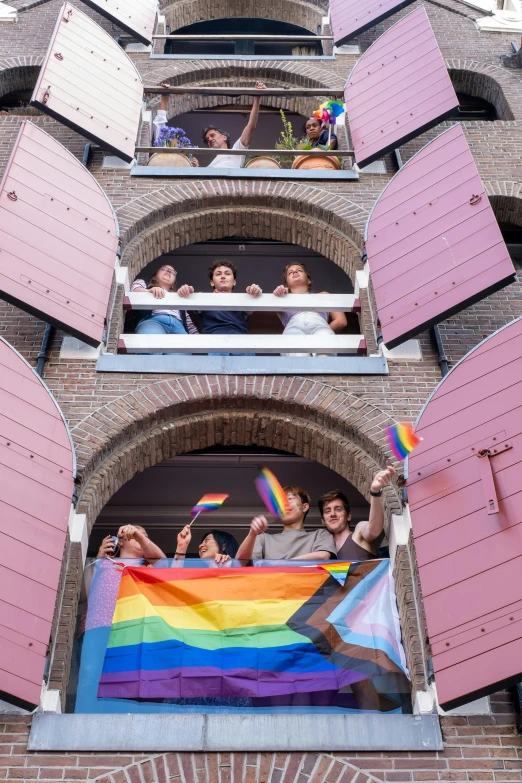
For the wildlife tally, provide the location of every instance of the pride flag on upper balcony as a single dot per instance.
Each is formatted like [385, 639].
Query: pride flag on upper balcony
[250, 632]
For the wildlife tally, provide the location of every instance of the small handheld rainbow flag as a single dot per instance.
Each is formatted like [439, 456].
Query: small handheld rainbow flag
[402, 439]
[208, 503]
[272, 494]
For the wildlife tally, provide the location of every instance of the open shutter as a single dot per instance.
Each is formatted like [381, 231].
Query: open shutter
[465, 493]
[399, 88]
[58, 237]
[136, 17]
[36, 486]
[352, 17]
[88, 83]
[434, 246]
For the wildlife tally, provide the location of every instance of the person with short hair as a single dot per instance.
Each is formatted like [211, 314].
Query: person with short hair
[133, 543]
[363, 543]
[217, 138]
[317, 135]
[223, 278]
[294, 542]
[297, 280]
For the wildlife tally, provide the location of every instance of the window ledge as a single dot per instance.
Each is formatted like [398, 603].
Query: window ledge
[245, 732]
[242, 57]
[243, 365]
[218, 173]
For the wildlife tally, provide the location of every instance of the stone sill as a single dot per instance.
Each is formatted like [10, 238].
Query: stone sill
[243, 365]
[246, 732]
[182, 172]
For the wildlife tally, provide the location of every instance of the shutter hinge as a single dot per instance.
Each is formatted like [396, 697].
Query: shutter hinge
[486, 474]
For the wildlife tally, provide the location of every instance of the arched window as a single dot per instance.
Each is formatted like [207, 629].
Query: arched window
[243, 26]
[473, 108]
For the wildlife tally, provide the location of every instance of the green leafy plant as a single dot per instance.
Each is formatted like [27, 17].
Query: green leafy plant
[287, 141]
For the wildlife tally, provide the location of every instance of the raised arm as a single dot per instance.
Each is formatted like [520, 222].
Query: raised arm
[372, 529]
[246, 136]
[246, 549]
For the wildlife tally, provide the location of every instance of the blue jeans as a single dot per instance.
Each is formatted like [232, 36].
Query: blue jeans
[161, 324]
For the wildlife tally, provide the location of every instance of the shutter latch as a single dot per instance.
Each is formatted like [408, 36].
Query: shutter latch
[486, 474]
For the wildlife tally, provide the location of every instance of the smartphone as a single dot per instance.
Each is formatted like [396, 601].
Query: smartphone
[116, 545]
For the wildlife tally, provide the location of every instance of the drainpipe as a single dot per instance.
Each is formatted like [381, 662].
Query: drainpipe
[44, 349]
[442, 358]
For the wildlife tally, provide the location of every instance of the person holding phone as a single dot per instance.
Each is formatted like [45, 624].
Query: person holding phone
[132, 542]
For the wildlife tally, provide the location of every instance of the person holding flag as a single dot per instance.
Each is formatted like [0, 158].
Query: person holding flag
[291, 504]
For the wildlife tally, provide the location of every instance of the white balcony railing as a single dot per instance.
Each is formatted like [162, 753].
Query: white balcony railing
[323, 343]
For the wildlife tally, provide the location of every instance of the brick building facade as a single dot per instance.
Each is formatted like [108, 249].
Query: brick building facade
[124, 422]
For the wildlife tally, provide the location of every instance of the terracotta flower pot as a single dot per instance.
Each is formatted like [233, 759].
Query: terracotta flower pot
[169, 159]
[315, 162]
[263, 162]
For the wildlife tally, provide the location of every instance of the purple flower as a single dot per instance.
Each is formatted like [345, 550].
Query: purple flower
[168, 133]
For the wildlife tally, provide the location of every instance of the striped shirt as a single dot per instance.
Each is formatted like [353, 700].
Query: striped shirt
[141, 285]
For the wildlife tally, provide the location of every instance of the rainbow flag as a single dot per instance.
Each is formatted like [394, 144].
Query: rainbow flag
[338, 570]
[271, 493]
[402, 439]
[249, 632]
[208, 503]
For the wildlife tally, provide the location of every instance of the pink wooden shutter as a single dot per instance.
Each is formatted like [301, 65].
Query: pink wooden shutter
[90, 84]
[434, 246]
[399, 88]
[36, 485]
[466, 513]
[137, 17]
[352, 17]
[58, 237]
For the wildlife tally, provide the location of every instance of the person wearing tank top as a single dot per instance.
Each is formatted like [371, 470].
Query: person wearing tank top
[297, 280]
[363, 543]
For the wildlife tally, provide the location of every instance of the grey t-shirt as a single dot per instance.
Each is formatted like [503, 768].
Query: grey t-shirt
[292, 543]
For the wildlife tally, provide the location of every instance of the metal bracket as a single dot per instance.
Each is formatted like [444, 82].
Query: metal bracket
[486, 474]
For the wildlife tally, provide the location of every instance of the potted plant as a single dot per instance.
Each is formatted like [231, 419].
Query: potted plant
[171, 137]
[289, 142]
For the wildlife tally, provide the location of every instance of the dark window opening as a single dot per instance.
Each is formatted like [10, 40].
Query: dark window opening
[243, 26]
[513, 238]
[472, 108]
[17, 102]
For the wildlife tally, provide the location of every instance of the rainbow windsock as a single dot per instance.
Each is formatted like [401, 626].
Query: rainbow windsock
[271, 493]
[208, 503]
[402, 439]
[338, 570]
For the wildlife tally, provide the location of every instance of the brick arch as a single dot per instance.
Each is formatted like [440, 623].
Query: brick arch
[242, 74]
[508, 207]
[244, 768]
[164, 418]
[168, 219]
[490, 82]
[18, 73]
[185, 12]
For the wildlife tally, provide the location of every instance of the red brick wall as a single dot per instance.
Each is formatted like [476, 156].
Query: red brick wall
[477, 748]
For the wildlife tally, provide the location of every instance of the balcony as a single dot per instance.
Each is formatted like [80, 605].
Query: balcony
[262, 353]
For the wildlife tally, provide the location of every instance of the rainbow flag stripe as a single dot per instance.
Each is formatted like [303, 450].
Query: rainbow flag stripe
[402, 439]
[208, 503]
[247, 632]
[339, 571]
[271, 493]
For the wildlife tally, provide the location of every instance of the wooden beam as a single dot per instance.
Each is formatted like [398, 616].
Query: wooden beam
[323, 343]
[291, 92]
[265, 303]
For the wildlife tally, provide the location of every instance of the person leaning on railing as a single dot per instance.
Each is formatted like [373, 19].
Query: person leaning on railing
[319, 136]
[297, 280]
[218, 545]
[223, 277]
[163, 321]
[217, 138]
[133, 543]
